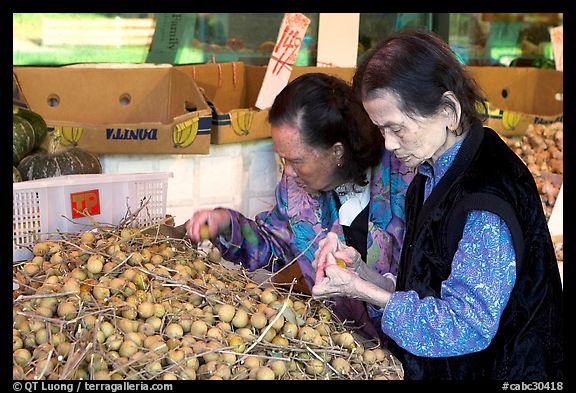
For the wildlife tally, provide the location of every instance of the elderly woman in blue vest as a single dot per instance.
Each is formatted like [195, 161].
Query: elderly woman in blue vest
[478, 292]
[337, 177]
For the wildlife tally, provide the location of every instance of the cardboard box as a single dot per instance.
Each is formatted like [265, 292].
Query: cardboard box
[520, 96]
[18, 98]
[522, 89]
[231, 90]
[511, 123]
[116, 108]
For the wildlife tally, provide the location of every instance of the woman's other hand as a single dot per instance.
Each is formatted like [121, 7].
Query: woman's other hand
[333, 280]
[207, 224]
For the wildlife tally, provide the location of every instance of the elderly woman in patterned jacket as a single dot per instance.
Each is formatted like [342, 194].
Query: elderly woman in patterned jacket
[337, 177]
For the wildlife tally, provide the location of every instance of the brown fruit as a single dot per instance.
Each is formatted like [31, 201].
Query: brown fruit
[258, 320]
[226, 312]
[341, 365]
[214, 255]
[240, 319]
[199, 328]
[173, 330]
[265, 373]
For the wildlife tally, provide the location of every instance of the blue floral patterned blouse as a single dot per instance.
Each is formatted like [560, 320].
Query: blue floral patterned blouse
[466, 316]
[299, 220]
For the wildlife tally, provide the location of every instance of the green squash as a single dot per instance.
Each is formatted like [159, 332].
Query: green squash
[38, 124]
[73, 161]
[16, 177]
[23, 138]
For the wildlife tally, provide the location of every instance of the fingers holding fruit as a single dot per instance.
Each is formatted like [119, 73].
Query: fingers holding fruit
[342, 260]
[350, 257]
[326, 246]
[338, 258]
[207, 224]
[193, 225]
[334, 280]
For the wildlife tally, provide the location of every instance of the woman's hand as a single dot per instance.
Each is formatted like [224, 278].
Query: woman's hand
[217, 220]
[338, 281]
[333, 280]
[331, 244]
[331, 251]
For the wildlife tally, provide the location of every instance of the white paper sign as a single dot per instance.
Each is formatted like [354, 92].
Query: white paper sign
[557, 39]
[338, 40]
[555, 222]
[290, 36]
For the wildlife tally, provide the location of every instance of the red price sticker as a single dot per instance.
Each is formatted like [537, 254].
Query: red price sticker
[85, 203]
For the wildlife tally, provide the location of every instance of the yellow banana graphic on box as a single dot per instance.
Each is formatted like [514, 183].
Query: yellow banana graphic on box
[183, 134]
[510, 120]
[69, 135]
[491, 111]
[241, 121]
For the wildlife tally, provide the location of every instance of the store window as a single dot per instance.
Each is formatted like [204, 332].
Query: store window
[223, 37]
[508, 39]
[57, 39]
[374, 27]
[504, 39]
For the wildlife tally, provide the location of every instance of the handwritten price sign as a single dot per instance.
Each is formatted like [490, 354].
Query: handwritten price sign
[290, 36]
[557, 39]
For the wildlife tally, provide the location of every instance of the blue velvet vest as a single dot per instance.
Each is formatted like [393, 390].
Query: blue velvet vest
[487, 175]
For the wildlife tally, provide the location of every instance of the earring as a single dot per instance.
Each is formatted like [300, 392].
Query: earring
[339, 164]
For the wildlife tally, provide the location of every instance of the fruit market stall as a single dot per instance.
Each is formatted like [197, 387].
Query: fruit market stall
[123, 303]
[119, 299]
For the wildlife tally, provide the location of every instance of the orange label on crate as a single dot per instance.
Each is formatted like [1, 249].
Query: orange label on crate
[85, 203]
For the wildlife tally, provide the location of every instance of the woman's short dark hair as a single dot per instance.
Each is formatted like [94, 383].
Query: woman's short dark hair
[419, 67]
[325, 111]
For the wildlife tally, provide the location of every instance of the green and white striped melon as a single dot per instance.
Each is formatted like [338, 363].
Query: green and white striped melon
[23, 138]
[74, 161]
[16, 177]
[36, 121]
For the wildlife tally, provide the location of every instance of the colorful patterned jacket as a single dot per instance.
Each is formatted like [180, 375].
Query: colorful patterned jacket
[293, 228]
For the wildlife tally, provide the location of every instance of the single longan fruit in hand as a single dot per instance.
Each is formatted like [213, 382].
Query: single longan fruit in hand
[204, 233]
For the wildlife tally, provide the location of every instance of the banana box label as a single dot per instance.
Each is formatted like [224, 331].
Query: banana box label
[132, 134]
[183, 134]
[512, 123]
[191, 135]
[241, 121]
[69, 136]
[240, 125]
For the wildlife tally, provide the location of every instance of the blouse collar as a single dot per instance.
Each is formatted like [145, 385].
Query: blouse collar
[442, 164]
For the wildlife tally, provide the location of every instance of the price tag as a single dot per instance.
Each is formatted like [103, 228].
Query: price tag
[557, 39]
[281, 63]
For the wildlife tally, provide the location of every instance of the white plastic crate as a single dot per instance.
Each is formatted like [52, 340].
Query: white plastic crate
[45, 208]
